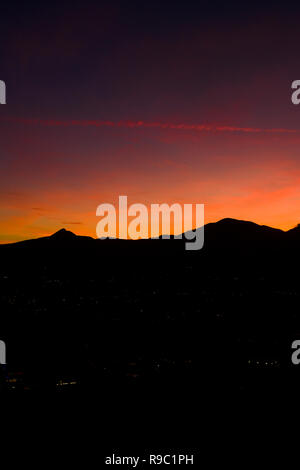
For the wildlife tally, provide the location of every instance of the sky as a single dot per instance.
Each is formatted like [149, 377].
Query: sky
[165, 102]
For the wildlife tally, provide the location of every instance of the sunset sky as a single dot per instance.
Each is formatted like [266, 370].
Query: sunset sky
[162, 101]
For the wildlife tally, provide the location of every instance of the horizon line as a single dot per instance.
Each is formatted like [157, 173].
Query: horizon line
[148, 238]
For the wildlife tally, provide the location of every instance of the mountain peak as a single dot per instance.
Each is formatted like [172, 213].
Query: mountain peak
[63, 233]
[231, 221]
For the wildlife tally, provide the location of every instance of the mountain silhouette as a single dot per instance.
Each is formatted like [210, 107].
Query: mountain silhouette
[224, 231]
[116, 312]
[63, 234]
[227, 239]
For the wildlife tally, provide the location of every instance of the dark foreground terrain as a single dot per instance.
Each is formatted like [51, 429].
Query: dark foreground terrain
[143, 323]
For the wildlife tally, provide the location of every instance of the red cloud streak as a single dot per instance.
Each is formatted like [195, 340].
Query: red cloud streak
[143, 124]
